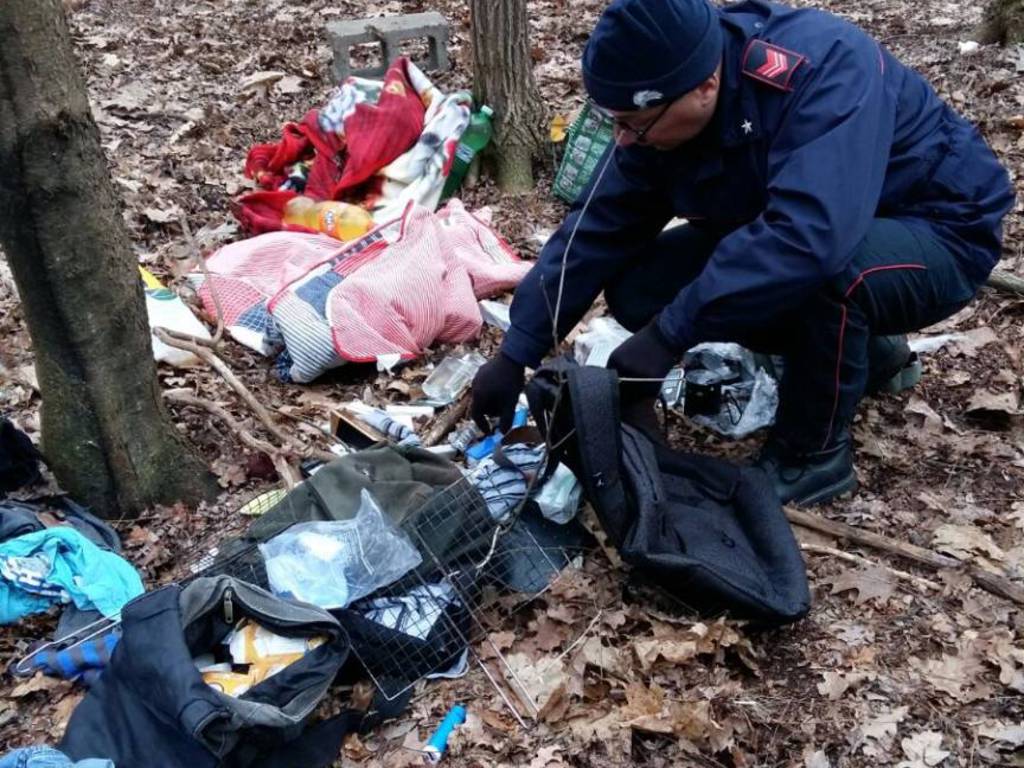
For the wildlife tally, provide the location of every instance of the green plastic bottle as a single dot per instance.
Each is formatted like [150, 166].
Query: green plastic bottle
[476, 136]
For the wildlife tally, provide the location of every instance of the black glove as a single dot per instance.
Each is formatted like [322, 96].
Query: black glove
[496, 389]
[646, 354]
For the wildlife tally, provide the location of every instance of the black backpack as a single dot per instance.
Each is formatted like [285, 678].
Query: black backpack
[710, 532]
[151, 706]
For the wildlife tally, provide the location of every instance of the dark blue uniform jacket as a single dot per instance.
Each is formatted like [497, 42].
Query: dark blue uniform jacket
[797, 161]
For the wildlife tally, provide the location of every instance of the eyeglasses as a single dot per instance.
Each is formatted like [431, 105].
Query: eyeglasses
[620, 126]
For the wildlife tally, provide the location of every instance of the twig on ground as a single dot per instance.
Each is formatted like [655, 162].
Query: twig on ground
[582, 636]
[290, 475]
[447, 422]
[991, 582]
[818, 549]
[189, 343]
[201, 260]
[1006, 282]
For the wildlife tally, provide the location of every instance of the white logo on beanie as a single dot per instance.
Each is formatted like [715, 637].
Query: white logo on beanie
[642, 99]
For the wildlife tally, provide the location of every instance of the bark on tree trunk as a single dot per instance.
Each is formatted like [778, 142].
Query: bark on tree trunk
[105, 432]
[503, 79]
[1003, 22]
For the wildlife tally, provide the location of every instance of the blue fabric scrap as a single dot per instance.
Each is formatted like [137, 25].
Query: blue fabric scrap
[47, 757]
[90, 577]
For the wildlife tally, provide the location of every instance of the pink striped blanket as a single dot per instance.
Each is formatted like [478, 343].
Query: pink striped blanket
[405, 285]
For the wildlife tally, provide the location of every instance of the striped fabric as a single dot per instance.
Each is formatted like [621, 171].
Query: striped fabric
[395, 432]
[84, 660]
[504, 487]
[399, 289]
[32, 574]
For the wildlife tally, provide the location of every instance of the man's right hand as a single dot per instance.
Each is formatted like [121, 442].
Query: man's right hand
[496, 389]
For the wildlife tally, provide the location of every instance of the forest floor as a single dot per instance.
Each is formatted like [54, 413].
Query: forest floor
[886, 669]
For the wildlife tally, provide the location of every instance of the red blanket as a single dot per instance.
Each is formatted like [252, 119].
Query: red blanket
[374, 135]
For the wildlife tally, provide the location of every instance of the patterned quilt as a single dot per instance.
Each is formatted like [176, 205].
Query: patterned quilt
[319, 303]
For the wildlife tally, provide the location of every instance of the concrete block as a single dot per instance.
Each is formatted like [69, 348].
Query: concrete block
[388, 32]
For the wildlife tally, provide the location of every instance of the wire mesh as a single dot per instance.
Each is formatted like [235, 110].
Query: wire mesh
[474, 550]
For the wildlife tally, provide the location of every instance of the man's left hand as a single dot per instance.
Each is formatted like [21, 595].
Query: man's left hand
[646, 354]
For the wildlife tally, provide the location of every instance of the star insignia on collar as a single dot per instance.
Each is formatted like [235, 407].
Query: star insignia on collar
[747, 127]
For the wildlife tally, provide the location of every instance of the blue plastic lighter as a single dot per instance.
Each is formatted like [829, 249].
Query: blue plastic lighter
[438, 743]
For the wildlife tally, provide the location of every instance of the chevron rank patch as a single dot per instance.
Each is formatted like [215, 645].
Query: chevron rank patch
[771, 64]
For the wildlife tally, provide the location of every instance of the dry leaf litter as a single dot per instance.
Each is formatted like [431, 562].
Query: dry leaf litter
[885, 671]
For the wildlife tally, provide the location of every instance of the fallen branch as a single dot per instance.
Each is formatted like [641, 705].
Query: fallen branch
[447, 422]
[991, 582]
[207, 355]
[1006, 281]
[201, 260]
[818, 549]
[290, 475]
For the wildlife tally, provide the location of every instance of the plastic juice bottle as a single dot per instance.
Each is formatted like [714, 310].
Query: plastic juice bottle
[343, 221]
[475, 138]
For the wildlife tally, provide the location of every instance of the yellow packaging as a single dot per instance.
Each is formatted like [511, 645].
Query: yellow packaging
[230, 683]
[261, 670]
[251, 643]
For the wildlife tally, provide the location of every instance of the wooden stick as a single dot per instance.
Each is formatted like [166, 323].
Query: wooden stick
[207, 355]
[1006, 281]
[201, 260]
[290, 475]
[210, 357]
[991, 582]
[818, 549]
[447, 422]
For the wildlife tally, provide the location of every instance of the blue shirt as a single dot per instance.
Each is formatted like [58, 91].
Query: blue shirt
[790, 174]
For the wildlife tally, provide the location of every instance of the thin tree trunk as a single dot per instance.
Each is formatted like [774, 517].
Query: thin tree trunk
[503, 79]
[105, 432]
[1003, 22]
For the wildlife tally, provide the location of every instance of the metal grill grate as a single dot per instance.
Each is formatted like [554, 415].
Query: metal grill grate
[428, 622]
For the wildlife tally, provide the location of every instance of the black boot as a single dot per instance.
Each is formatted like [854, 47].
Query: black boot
[806, 478]
[892, 367]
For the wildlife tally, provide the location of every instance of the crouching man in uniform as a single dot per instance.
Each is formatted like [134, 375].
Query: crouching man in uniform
[833, 202]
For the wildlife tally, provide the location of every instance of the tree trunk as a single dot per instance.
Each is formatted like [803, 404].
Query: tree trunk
[503, 79]
[1003, 22]
[105, 432]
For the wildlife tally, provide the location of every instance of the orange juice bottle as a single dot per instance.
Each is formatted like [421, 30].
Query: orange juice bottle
[343, 221]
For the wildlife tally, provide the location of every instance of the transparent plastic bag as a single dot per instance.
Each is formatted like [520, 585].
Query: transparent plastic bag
[749, 394]
[559, 498]
[331, 564]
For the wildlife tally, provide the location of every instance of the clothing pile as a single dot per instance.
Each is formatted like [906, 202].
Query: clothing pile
[54, 552]
[384, 297]
[59, 566]
[381, 145]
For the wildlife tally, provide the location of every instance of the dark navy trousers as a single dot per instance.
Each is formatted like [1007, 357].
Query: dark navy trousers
[901, 278]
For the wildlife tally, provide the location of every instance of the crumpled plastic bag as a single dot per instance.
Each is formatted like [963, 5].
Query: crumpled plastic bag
[331, 564]
[559, 498]
[748, 404]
